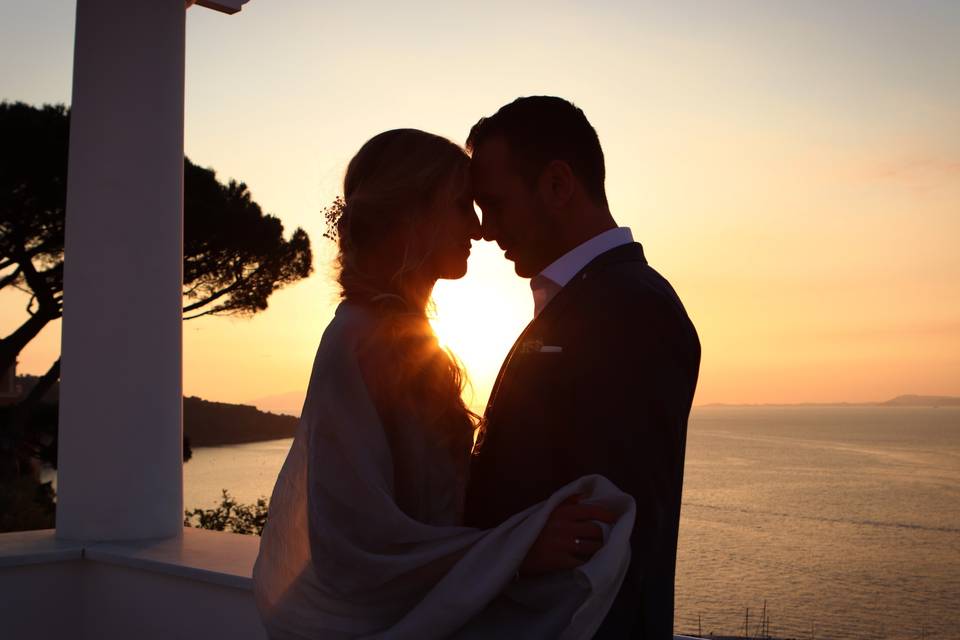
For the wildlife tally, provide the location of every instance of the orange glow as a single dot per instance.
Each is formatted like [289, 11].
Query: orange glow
[479, 317]
[797, 181]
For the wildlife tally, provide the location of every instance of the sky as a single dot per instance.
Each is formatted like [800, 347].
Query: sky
[792, 168]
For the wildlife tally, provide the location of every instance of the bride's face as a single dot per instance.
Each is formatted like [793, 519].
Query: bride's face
[451, 226]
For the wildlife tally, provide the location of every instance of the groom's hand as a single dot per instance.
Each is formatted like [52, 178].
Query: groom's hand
[568, 539]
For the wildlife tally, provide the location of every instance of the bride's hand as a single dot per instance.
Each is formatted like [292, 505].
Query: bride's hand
[568, 539]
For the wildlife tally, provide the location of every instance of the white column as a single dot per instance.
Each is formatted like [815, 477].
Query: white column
[120, 473]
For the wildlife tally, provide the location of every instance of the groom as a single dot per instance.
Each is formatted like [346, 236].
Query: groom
[601, 381]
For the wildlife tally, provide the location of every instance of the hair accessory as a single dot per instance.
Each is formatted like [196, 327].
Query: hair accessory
[332, 214]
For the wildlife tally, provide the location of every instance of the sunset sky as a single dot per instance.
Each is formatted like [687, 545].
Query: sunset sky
[792, 168]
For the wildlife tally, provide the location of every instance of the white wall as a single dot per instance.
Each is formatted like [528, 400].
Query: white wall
[83, 599]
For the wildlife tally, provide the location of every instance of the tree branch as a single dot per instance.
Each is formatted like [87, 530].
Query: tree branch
[200, 315]
[196, 305]
[36, 281]
[43, 246]
[12, 345]
[10, 279]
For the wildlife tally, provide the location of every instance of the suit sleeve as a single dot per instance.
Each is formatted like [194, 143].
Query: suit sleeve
[629, 412]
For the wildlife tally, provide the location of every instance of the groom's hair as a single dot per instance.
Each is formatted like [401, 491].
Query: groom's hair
[541, 129]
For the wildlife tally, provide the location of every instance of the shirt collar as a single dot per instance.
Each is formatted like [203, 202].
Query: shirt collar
[557, 274]
[562, 270]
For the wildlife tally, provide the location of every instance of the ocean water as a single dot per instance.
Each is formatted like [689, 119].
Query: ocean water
[845, 521]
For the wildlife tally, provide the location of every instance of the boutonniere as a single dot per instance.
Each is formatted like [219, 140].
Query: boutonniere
[537, 346]
[531, 346]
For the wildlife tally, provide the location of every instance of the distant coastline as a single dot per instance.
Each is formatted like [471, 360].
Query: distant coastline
[290, 403]
[908, 400]
[209, 424]
[205, 423]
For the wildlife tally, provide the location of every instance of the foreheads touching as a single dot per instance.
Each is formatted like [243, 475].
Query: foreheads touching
[538, 178]
[541, 129]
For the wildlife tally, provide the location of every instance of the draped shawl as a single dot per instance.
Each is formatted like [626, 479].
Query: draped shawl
[340, 559]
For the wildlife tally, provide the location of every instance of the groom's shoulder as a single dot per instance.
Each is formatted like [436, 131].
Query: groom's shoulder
[634, 287]
[632, 305]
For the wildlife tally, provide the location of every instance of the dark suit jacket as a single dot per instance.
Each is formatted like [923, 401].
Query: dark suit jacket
[614, 401]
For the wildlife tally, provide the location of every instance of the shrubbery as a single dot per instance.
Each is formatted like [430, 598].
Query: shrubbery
[26, 504]
[230, 515]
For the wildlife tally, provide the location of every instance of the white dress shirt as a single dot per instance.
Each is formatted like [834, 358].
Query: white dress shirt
[557, 274]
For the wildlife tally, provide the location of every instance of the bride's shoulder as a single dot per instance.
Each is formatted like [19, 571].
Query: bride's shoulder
[351, 323]
[337, 362]
[347, 330]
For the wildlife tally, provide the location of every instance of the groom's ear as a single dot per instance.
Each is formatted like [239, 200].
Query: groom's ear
[557, 184]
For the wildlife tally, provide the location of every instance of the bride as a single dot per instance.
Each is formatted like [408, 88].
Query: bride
[364, 536]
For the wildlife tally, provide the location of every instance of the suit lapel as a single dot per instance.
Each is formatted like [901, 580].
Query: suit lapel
[505, 365]
[554, 309]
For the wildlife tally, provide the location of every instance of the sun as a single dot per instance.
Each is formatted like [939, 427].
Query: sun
[479, 316]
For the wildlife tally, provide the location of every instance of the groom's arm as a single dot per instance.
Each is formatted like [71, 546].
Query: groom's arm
[639, 364]
[638, 367]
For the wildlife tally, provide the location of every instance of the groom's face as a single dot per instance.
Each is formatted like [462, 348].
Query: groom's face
[514, 215]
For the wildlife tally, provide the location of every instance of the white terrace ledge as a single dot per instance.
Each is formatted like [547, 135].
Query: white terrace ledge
[224, 559]
[36, 547]
[181, 587]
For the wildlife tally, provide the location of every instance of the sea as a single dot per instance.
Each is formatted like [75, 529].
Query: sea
[797, 522]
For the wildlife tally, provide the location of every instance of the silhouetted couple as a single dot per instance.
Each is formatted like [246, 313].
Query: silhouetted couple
[561, 521]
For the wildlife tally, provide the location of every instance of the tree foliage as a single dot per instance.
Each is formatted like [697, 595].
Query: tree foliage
[230, 515]
[33, 186]
[26, 504]
[234, 256]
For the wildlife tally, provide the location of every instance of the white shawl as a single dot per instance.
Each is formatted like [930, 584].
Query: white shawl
[339, 559]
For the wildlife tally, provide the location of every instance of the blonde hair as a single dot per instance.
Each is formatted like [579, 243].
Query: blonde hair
[390, 185]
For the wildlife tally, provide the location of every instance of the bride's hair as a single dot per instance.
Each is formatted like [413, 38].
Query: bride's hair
[389, 189]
